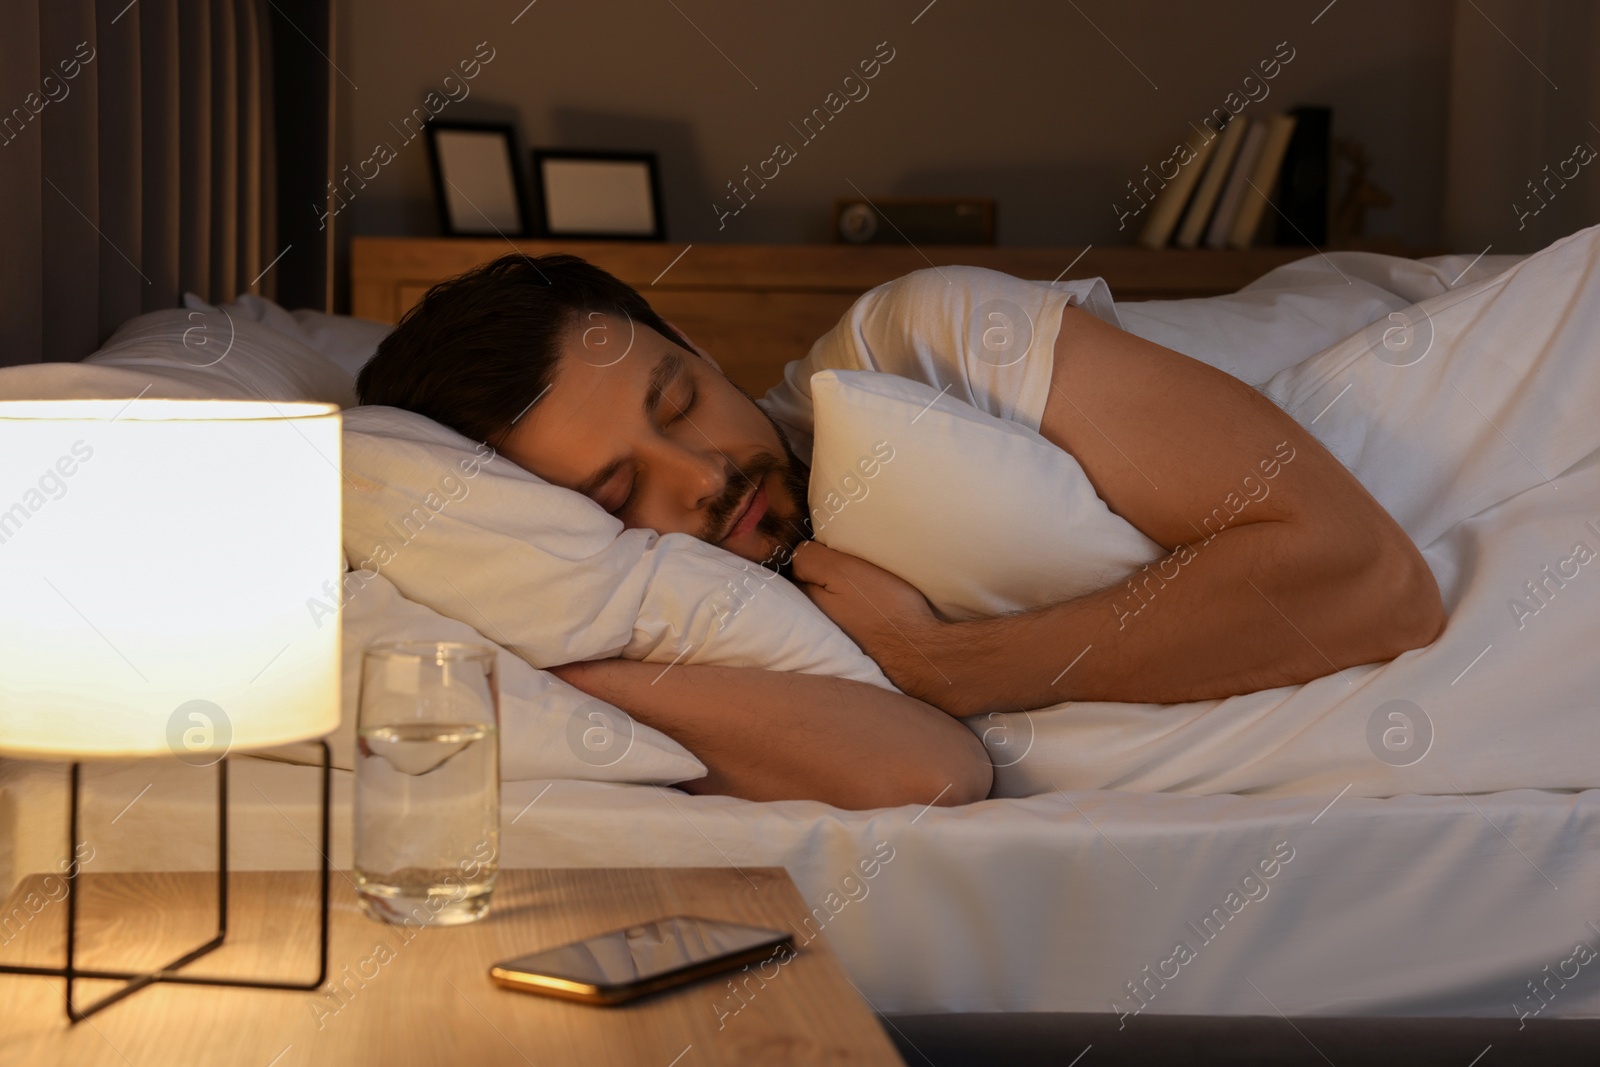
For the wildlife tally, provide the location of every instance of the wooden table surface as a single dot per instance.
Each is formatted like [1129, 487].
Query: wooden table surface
[398, 995]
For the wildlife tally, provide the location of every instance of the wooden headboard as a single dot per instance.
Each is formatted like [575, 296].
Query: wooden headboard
[755, 308]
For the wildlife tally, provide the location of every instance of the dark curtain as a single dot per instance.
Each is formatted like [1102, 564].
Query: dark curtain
[138, 161]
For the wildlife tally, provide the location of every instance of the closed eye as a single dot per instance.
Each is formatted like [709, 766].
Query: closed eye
[628, 496]
[686, 407]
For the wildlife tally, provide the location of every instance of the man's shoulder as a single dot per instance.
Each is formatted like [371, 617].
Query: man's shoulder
[940, 283]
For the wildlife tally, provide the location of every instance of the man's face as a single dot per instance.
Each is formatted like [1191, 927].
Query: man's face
[659, 438]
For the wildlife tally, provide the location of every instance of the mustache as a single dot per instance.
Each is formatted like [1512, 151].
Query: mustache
[786, 533]
[720, 512]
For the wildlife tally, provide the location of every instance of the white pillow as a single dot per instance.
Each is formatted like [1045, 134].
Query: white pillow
[233, 358]
[983, 515]
[548, 729]
[548, 574]
[344, 340]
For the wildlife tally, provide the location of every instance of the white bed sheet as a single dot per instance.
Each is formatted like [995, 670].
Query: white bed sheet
[1406, 906]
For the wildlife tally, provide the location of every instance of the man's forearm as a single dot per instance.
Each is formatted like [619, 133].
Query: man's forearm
[769, 735]
[1249, 609]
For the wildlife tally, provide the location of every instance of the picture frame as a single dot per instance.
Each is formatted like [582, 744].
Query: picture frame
[595, 195]
[477, 182]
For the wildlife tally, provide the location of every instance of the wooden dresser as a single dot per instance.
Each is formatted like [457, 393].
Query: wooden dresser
[757, 307]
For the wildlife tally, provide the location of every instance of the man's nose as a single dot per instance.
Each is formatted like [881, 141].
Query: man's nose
[703, 474]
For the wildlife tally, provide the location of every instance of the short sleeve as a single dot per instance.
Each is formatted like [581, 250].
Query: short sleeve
[976, 334]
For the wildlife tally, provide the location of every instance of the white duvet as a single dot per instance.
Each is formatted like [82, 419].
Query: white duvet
[1474, 418]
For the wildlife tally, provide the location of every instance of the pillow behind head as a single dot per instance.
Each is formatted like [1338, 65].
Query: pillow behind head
[229, 357]
[548, 574]
[343, 340]
[983, 515]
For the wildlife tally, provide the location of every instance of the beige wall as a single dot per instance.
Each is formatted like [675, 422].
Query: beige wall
[1025, 102]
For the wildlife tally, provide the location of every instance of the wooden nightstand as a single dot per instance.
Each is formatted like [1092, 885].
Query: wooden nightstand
[419, 996]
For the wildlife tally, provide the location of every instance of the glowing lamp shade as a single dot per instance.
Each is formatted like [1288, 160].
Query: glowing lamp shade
[157, 558]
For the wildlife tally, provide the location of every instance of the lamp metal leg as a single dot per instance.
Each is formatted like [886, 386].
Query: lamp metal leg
[137, 980]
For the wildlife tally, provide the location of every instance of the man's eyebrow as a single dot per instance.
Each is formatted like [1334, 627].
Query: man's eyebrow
[665, 371]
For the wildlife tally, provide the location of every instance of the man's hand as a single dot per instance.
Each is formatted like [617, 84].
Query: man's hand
[891, 621]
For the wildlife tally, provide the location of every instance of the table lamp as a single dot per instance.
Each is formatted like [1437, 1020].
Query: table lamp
[155, 561]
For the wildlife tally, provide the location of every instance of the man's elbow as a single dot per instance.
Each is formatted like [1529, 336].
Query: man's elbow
[964, 777]
[1408, 599]
[1431, 619]
[968, 783]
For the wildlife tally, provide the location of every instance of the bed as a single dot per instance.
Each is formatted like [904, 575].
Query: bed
[1065, 898]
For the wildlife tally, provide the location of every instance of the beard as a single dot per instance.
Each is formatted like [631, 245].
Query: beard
[784, 532]
[787, 532]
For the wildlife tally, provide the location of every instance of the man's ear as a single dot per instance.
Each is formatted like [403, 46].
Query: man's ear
[691, 346]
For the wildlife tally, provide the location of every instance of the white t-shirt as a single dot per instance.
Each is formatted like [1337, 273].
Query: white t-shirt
[986, 337]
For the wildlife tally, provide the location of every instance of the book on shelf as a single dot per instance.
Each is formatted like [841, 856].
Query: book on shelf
[1255, 202]
[1263, 180]
[1172, 198]
[1209, 190]
[1234, 188]
[1306, 178]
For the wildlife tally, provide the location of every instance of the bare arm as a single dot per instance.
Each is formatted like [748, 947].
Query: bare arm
[1272, 579]
[770, 735]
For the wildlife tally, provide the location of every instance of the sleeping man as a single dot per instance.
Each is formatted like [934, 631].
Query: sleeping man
[569, 373]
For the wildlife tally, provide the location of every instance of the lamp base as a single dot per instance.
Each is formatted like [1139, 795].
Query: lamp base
[137, 980]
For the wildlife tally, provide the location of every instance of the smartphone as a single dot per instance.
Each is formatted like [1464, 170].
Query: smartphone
[623, 964]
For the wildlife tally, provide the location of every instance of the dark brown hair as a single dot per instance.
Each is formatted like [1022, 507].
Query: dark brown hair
[477, 350]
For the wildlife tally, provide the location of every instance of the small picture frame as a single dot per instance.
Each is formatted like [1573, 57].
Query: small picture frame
[476, 180]
[596, 195]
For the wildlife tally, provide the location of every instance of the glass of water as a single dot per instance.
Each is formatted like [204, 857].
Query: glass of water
[427, 838]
